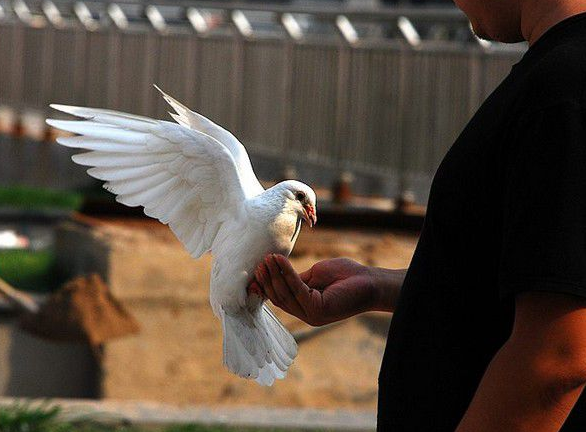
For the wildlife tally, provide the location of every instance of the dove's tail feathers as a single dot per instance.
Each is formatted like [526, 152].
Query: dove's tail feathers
[256, 345]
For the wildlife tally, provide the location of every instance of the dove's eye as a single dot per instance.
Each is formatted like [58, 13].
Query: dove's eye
[299, 196]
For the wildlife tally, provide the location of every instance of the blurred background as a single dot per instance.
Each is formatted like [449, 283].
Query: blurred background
[358, 98]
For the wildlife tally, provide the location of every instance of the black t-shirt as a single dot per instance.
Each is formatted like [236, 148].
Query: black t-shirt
[506, 213]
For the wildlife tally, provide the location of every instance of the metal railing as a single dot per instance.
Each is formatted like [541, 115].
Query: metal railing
[325, 90]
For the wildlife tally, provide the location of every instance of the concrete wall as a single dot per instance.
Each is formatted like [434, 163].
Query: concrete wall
[32, 367]
[26, 162]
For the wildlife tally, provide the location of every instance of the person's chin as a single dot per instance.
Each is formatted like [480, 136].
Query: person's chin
[479, 31]
[497, 37]
[508, 39]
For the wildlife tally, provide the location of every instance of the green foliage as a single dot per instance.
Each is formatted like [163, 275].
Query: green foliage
[35, 198]
[23, 417]
[46, 417]
[29, 270]
[204, 428]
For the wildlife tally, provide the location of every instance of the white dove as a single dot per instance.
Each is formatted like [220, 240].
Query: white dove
[196, 177]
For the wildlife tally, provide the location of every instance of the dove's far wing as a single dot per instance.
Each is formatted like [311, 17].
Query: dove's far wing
[195, 121]
[182, 177]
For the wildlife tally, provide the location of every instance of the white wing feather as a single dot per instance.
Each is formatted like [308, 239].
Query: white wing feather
[197, 122]
[181, 176]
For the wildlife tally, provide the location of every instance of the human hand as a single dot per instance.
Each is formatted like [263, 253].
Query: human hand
[330, 291]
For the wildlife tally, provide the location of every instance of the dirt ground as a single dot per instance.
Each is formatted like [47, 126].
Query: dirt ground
[177, 356]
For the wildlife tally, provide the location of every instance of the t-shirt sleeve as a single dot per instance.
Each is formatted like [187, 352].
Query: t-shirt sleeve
[544, 200]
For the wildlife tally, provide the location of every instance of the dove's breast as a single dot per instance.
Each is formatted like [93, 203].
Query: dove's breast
[240, 248]
[283, 232]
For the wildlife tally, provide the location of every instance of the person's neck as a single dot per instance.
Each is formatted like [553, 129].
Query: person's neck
[538, 16]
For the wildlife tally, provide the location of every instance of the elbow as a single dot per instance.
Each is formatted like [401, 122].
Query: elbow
[558, 372]
[548, 344]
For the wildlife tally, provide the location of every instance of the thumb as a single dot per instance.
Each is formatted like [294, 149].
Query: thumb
[306, 275]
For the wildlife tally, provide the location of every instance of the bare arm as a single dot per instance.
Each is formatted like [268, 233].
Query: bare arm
[330, 291]
[537, 376]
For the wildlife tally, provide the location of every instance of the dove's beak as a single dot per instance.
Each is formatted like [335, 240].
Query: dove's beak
[309, 215]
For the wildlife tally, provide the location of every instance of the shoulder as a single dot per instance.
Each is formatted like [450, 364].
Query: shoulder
[557, 77]
[548, 116]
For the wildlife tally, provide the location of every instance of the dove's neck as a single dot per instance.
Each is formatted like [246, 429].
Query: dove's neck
[273, 202]
[275, 212]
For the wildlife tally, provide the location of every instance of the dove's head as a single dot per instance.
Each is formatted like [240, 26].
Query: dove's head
[300, 198]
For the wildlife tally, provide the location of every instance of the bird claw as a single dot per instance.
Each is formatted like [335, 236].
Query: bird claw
[255, 289]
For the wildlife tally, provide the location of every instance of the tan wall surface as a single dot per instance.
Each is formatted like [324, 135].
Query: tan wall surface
[177, 356]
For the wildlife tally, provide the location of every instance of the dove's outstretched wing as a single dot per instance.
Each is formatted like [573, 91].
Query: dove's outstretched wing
[181, 176]
[195, 121]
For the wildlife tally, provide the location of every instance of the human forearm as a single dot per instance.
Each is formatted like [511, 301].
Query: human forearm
[386, 285]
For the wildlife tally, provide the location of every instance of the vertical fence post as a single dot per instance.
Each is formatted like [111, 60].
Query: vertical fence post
[114, 52]
[342, 101]
[289, 70]
[475, 81]
[200, 26]
[242, 30]
[149, 72]
[16, 77]
[47, 67]
[403, 166]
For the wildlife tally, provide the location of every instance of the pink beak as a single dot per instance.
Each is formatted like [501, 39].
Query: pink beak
[309, 215]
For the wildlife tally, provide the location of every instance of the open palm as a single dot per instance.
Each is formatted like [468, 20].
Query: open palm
[330, 291]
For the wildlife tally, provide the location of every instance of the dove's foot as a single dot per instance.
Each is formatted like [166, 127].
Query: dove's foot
[255, 289]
